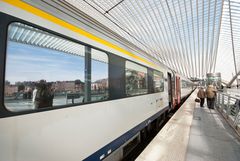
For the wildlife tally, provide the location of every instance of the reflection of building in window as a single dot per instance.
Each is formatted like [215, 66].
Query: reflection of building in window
[136, 79]
[54, 59]
[158, 81]
[100, 85]
[59, 87]
[10, 90]
[69, 86]
[19, 90]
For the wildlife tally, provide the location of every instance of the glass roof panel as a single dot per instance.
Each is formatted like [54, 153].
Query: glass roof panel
[193, 37]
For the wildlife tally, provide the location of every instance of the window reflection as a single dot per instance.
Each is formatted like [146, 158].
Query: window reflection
[136, 79]
[42, 73]
[158, 81]
[99, 85]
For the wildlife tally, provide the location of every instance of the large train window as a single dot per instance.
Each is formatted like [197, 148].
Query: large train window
[158, 81]
[136, 79]
[42, 70]
[99, 84]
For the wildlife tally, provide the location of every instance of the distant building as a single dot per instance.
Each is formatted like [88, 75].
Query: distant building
[58, 86]
[101, 84]
[10, 90]
[67, 86]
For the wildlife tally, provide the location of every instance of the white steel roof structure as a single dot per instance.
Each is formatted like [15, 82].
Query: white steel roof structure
[193, 37]
[228, 55]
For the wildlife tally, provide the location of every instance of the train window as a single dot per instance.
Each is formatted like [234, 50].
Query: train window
[158, 81]
[99, 84]
[136, 79]
[42, 70]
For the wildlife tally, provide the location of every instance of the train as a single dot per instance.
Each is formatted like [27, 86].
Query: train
[107, 96]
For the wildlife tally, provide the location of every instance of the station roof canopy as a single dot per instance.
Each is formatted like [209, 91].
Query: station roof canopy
[193, 37]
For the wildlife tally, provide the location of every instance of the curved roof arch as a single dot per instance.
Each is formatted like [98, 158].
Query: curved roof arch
[192, 37]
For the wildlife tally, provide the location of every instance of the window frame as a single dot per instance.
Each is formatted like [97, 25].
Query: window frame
[158, 71]
[107, 74]
[147, 80]
[6, 21]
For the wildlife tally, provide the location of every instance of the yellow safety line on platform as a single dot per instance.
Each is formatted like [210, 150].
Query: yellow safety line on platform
[40, 13]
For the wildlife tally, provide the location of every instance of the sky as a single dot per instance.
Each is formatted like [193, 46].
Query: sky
[31, 63]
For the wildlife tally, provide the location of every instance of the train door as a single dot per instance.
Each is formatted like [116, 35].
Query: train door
[173, 91]
[170, 97]
[178, 90]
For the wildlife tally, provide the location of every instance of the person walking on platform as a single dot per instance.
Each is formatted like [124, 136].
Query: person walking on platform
[211, 94]
[201, 94]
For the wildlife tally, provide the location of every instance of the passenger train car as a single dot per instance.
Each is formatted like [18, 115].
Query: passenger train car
[106, 96]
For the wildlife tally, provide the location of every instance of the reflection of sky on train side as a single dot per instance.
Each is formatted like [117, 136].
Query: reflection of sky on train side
[99, 70]
[31, 63]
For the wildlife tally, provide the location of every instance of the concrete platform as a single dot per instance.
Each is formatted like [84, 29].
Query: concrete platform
[194, 134]
[211, 138]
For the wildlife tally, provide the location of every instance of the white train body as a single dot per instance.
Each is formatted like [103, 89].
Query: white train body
[89, 131]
